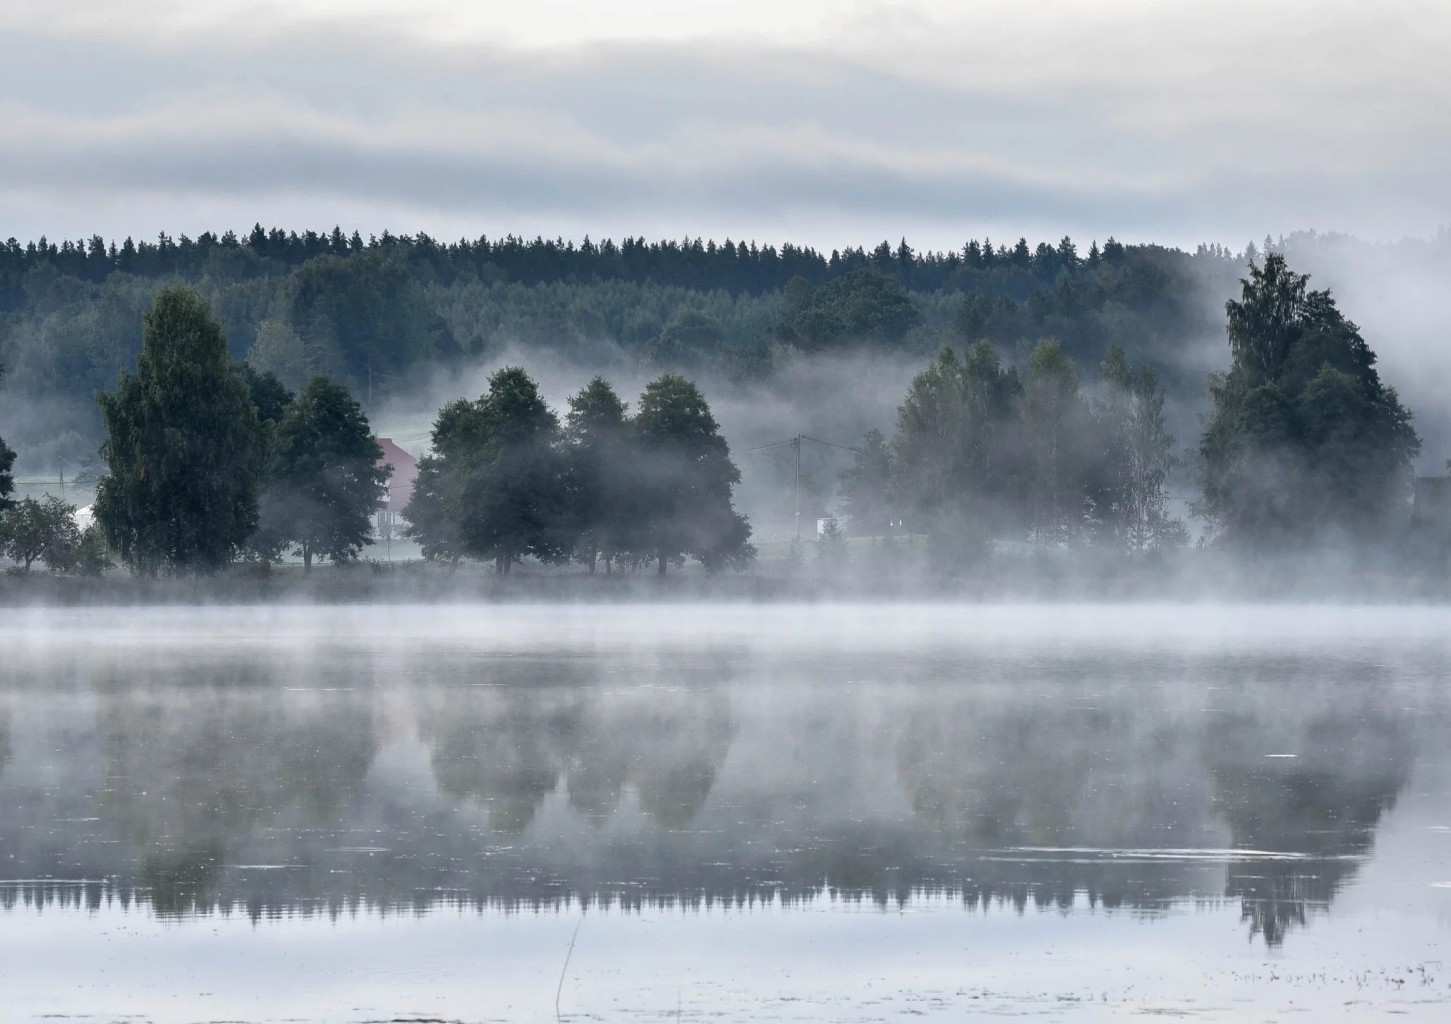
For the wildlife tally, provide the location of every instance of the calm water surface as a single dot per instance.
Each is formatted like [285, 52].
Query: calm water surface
[735, 813]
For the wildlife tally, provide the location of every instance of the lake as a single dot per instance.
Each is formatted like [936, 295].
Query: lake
[774, 812]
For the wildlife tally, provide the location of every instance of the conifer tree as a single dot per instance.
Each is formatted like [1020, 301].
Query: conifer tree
[183, 449]
[1304, 443]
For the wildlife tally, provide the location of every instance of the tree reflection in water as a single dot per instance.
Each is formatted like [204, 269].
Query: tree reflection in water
[264, 784]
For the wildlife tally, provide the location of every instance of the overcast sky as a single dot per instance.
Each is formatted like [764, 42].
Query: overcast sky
[826, 123]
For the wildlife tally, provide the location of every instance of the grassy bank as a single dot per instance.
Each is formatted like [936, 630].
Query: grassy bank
[1044, 575]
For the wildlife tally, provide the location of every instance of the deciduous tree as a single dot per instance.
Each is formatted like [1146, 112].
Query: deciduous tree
[866, 487]
[687, 477]
[1053, 418]
[494, 485]
[44, 529]
[1132, 455]
[603, 491]
[7, 464]
[956, 451]
[323, 483]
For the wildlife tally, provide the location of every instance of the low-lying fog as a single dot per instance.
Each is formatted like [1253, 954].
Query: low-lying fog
[1242, 782]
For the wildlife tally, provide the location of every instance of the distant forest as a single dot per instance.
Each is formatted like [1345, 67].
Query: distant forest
[379, 313]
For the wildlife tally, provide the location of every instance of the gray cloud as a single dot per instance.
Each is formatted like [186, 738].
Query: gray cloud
[880, 133]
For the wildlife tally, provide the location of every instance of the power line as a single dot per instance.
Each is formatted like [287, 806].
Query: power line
[768, 447]
[797, 440]
[796, 443]
[832, 444]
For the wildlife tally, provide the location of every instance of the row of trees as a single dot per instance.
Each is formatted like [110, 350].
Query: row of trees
[207, 460]
[1303, 446]
[506, 479]
[372, 314]
[980, 452]
[690, 262]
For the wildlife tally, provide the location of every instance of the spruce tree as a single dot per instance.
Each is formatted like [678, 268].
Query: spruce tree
[183, 449]
[1304, 444]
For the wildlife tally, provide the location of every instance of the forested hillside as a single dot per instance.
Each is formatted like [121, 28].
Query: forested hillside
[377, 313]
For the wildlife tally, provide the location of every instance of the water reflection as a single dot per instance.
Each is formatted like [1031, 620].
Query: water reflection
[278, 782]
[1312, 787]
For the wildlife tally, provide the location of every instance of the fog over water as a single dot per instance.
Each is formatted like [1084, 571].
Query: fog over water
[756, 812]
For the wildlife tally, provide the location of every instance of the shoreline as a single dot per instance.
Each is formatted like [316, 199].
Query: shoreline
[1192, 581]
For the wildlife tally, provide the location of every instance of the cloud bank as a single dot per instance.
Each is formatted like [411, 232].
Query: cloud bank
[1170, 122]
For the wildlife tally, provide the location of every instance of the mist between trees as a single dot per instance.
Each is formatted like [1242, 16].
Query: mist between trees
[385, 314]
[989, 467]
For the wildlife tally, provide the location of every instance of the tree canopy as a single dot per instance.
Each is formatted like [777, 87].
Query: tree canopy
[183, 449]
[323, 482]
[43, 529]
[494, 487]
[866, 486]
[1132, 456]
[862, 306]
[956, 448]
[686, 476]
[601, 474]
[1304, 444]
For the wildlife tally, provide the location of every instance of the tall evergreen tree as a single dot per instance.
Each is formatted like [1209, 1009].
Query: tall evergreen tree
[183, 449]
[687, 477]
[435, 514]
[1304, 443]
[324, 482]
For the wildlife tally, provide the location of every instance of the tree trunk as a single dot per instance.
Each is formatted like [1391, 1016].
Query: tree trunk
[306, 558]
[661, 570]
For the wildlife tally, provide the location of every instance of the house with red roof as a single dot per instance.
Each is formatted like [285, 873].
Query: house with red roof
[400, 480]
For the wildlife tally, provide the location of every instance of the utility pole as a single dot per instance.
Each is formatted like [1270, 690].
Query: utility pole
[796, 443]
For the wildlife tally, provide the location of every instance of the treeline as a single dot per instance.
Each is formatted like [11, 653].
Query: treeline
[506, 479]
[208, 461]
[982, 453]
[1305, 448]
[687, 263]
[378, 314]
